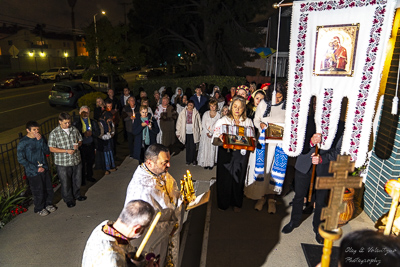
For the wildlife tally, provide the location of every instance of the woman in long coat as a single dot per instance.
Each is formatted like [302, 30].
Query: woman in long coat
[145, 130]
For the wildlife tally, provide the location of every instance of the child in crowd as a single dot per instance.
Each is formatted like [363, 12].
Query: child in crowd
[104, 155]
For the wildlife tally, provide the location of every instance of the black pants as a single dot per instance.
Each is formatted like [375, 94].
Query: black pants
[301, 189]
[142, 150]
[42, 190]
[87, 154]
[190, 149]
[231, 173]
[131, 138]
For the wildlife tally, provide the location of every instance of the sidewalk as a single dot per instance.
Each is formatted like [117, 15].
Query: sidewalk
[247, 239]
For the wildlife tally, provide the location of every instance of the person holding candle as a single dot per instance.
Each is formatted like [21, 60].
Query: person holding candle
[64, 141]
[31, 152]
[89, 130]
[109, 243]
[207, 156]
[129, 115]
[104, 156]
[152, 183]
[145, 130]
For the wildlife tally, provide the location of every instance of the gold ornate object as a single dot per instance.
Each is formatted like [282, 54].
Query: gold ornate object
[274, 132]
[187, 190]
[329, 237]
[338, 183]
[392, 187]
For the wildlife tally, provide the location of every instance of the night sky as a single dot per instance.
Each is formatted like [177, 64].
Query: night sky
[56, 14]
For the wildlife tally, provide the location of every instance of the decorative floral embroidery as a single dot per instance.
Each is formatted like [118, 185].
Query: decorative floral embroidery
[368, 68]
[326, 113]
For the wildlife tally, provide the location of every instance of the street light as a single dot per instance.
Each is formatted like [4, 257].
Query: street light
[97, 46]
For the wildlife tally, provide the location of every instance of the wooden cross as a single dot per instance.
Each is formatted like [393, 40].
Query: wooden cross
[340, 180]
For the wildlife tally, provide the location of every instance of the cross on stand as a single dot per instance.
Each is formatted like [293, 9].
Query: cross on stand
[340, 180]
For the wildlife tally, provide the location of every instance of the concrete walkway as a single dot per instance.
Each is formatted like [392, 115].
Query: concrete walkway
[249, 238]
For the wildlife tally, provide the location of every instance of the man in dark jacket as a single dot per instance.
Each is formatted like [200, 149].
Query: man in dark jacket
[304, 171]
[31, 152]
[115, 102]
[89, 130]
[199, 100]
[129, 113]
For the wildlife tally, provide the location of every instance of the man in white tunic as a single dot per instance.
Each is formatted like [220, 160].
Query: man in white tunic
[108, 245]
[152, 183]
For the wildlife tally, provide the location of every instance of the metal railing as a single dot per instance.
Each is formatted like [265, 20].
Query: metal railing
[12, 174]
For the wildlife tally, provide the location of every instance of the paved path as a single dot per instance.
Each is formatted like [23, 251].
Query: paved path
[247, 239]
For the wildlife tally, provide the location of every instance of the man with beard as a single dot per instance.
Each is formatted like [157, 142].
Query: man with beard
[152, 183]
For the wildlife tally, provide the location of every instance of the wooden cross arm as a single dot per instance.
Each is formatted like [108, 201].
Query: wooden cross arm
[331, 182]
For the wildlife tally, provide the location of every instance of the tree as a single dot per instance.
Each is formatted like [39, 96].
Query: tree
[112, 48]
[215, 30]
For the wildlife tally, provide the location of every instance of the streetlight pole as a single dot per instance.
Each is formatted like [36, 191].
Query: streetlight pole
[97, 47]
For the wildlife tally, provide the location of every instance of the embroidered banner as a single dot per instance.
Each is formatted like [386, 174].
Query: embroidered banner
[337, 50]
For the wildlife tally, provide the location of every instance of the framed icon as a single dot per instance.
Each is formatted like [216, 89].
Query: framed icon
[335, 50]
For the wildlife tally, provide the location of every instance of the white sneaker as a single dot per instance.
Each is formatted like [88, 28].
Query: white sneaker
[43, 212]
[51, 208]
[271, 206]
[260, 203]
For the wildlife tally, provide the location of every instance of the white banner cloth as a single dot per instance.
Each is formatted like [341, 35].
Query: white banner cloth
[375, 19]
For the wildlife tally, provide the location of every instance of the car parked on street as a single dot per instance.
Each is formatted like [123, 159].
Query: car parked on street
[18, 79]
[67, 93]
[103, 82]
[79, 71]
[145, 75]
[57, 74]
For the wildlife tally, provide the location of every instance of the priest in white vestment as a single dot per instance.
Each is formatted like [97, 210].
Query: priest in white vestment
[152, 183]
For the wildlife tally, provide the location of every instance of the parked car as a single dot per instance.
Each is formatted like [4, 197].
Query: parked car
[149, 73]
[142, 76]
[67, 93]
[56, 74]
[19, 79]
[104, 81]
[79, 71]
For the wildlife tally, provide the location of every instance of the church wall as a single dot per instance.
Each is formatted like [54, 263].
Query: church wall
[385, 160]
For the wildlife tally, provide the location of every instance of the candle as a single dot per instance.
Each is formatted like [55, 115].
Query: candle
[147, 236]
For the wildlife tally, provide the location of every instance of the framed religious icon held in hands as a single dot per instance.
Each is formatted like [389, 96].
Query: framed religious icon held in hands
[238, 142]
[274, 131]
[335, 50]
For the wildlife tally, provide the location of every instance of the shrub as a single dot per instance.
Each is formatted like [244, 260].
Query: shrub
[9, 205]
[90, 99]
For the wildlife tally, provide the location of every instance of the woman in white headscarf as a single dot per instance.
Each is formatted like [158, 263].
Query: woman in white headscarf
[178, 91]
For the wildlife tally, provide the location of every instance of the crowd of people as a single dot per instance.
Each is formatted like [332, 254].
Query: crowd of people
[198, 121]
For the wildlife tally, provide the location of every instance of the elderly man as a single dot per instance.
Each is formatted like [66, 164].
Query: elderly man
[129, 115]
[151, 182]
[89, 130]
[108, 245]
[64, 142]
